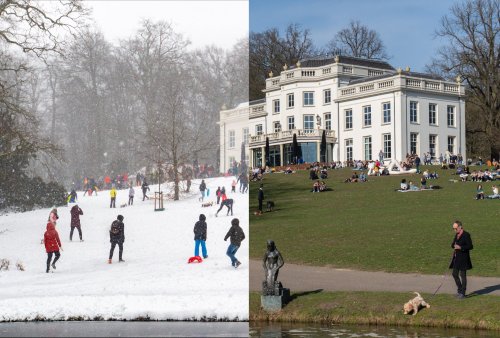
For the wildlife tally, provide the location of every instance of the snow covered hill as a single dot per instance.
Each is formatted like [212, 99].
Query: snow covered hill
[155, 280]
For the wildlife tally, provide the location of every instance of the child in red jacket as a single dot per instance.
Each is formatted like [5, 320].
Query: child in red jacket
[52, 244]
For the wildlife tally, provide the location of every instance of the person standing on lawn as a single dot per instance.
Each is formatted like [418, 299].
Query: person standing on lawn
[461, 262]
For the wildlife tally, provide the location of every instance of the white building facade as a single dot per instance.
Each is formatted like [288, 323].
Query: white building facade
[234, 131]
[362, 106]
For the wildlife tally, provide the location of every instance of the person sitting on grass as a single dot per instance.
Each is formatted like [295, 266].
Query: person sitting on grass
[423, 183]
[404, 185]
[362, 177]
[433, 175]
[495, 192]
[315, 186]
[288, 171]
[324, 174]
[313, 175]
[479, 192]
[322, 186]
[412, 186]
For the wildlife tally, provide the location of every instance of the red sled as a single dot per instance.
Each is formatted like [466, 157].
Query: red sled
[195, 259]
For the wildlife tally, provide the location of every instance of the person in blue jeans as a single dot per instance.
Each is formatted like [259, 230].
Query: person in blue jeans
[200, 236]
[236, 235]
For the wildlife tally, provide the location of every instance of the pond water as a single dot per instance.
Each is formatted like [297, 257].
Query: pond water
[262, 329]
[124, 329]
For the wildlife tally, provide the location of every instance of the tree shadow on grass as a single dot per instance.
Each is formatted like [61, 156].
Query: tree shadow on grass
[300, 294]
[485, 290]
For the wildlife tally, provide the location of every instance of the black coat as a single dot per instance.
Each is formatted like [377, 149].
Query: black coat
[261, 194]
[200, 231]
[461, 259]
[237, 235]
[119, 237]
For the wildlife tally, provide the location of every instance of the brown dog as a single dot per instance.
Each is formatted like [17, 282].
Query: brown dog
[414, 304]
[206, 205]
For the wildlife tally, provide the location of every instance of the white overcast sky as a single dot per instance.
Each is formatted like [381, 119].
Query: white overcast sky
[203, 22]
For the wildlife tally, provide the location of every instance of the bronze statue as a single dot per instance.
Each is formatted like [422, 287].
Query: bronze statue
[272, 262]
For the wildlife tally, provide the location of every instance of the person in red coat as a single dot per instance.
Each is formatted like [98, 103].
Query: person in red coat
[76, 211]
[52, 245]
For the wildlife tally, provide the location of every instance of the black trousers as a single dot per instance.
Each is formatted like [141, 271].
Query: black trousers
[120, 252]
[144, 196]
[112, 204]
[260, 205]
[130, 200]
[49, 258]
[462, 281]
[71, 233]
[229, 208]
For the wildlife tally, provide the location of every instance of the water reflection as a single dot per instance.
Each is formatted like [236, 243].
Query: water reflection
[258, 329]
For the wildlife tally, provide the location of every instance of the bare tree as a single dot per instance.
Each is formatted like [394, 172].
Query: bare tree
[359, 41]
[472, 30]
[269, 52]
[38, 26]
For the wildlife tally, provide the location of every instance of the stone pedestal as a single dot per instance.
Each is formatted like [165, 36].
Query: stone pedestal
[275, 303]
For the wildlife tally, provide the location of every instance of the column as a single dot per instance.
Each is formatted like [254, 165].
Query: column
[318, 151]
[263, 158]
[282, 157]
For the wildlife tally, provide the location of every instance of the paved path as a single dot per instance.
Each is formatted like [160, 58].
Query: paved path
[309, 278]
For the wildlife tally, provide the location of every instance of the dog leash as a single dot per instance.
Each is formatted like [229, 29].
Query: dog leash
[444, 275]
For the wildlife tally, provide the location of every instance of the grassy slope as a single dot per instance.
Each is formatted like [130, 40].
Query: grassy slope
[369, 226]
[384, 308]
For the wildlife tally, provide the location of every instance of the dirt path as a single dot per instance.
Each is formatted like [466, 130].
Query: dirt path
[309, 278]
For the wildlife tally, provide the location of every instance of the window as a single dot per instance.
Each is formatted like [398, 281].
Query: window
[413, 143]
[327, 96]
[231, 159]
[348, 119]
[276, 106]
[308, 98]
[232, 139]
[432, 114]
[328, 121]
[258, 129]
[291, 122]
[290, 101]
[432, 145]
[451, 144]
[367, 144]
[413, 112]
[451, 116]
[308, 122]
[277, 126]
[245, 135]
[386, 112]
[367, 116]
[387, 146]
[348, 149]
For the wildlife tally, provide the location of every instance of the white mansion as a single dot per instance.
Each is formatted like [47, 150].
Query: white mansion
[363, 106]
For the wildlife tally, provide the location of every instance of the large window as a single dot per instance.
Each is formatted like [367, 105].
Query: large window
[291, 122]
[367, 145]
[245, 135]
[413, 143]
[451, 116]
[327, 96]
[276, 106]
[258, 129]
[290, 99]
[348, 149]
[232, 139]
[308, 122]
[348, 119]
[451, 144]
[328, 121]
[387, 146]
[367, 116]
[413, 112]
[277, 126]
[432, 145]
[432, 114]
[386, 112]
[308, 98]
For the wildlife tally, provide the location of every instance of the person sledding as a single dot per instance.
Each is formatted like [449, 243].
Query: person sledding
[117, 236]
[200, 237]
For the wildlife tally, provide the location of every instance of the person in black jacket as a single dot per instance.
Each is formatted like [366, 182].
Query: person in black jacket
[200, 236]
[237, 236]
[145, 188]
[229, 204]
[261, 197]
[117, 236]
[203, 187]
[462, 244]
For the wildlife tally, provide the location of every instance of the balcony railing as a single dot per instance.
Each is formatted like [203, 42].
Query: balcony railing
[286, 136]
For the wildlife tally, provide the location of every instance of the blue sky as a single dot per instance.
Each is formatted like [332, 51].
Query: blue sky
[406, 27]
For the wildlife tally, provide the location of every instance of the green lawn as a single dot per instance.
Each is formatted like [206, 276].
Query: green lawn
[370, 226]
[383, 308]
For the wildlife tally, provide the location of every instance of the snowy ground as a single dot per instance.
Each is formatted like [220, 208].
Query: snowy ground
[155, 281]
